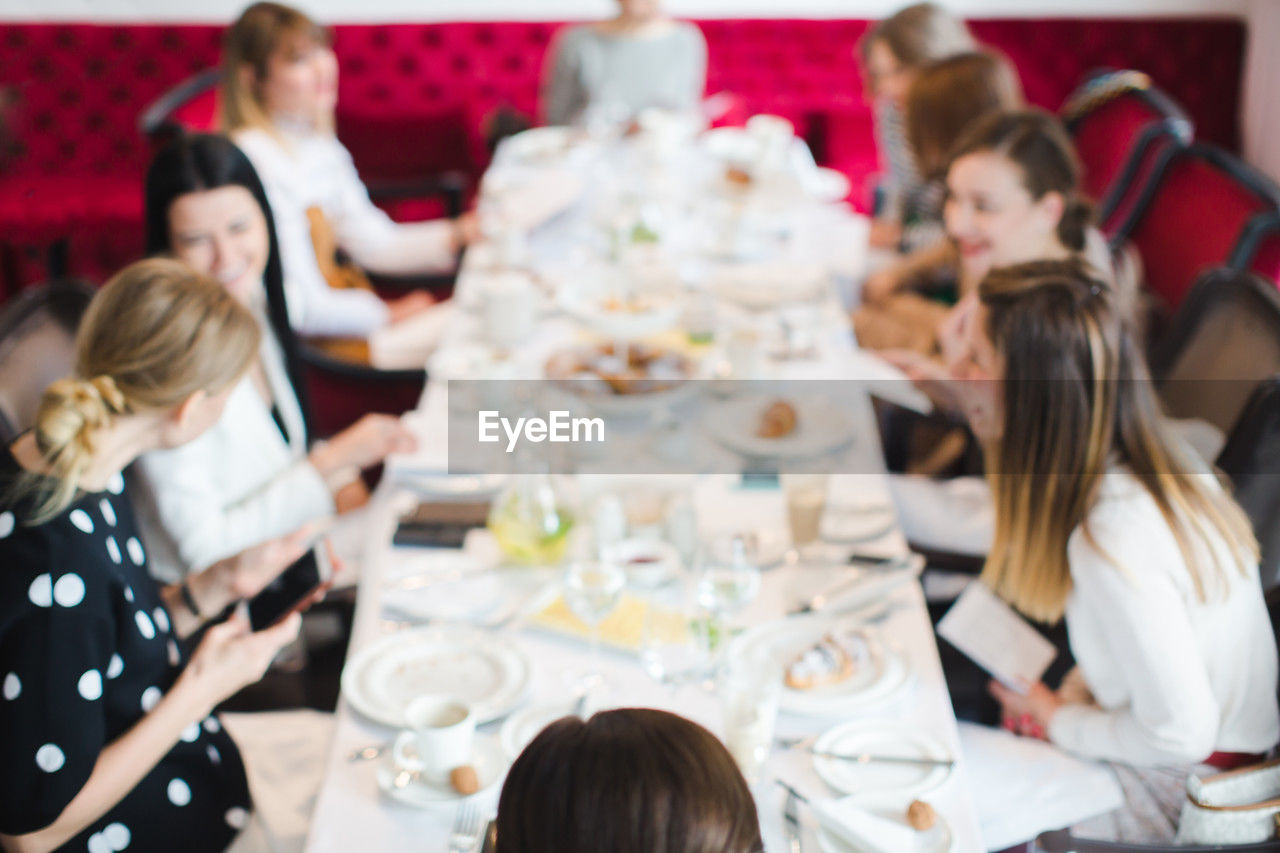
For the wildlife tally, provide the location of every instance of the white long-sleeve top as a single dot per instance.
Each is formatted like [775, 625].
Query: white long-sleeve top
[238, 484]
[1175, 679]
[302, 169]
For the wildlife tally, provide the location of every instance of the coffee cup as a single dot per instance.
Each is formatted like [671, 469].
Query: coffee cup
[438, 739]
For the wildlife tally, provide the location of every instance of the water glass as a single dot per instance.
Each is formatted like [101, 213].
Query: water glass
[750, 690]
[806, 497]
[674, 647]
[592, 589]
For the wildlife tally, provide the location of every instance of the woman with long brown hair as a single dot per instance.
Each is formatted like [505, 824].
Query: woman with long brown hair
[279, 91]
[1105, 519]
[892, 54]
[107, 734]
[631, 780]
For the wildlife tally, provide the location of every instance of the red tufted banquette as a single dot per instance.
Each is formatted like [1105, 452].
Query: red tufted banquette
[413, 97]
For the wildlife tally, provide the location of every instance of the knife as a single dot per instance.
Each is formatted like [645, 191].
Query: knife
[791, 822]
[868, 758]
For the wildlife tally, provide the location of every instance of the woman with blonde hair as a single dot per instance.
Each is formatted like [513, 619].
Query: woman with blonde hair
[892, 53]
[106, 727]
[279, 90]
[1104, 519]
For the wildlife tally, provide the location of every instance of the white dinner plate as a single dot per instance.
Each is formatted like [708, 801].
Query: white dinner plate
[936, 839]
[487, 758]
[879, 678]
[481, 669]
[821, 427]
[880, 779]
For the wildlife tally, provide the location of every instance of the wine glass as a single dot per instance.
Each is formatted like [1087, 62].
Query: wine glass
[726, 585]
[592, 589]
[674, 639]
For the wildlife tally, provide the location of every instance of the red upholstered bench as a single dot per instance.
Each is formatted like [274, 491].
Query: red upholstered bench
[412, 98]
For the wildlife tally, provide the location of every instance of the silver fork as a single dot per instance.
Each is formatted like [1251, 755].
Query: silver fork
[466, 828]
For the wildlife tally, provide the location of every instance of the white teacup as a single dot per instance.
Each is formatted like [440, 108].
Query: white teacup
[508, 305]
[438, 739]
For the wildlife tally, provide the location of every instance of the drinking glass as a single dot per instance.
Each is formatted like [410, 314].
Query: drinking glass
[592, 589]
[806, 496]
[750, 690]
[726, 585]
[674, 641]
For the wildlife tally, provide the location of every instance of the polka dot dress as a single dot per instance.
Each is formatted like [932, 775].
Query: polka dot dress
[86, 649]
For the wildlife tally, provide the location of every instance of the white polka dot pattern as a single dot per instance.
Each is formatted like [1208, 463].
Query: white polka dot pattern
[134, 547]
[98, 843]
[118, 836]
[215, 757]
[115, 666]
[69, 590]
[175, 657]
[108, 512]
[49, 758]
[116, 484]
[90, 685]
[237, 817]
[145, 626]
[81, 520]
[161, 619]
[6, 524]
[128, 594]
[150, 698]
[179, 793]
[12, 686]
[113, 550]
[191, 733]
[41, 591]
[211, 725]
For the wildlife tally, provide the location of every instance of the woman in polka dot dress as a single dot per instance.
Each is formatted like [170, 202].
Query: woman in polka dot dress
[106, 735]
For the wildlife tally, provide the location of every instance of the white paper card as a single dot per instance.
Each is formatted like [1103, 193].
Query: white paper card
[996, 638]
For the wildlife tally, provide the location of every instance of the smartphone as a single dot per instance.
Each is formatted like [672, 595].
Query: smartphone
[296, 589]
[440, 524]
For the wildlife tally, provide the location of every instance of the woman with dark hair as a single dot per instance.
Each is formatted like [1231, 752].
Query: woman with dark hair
[1104, 519]
[252, 476]
[630, 780]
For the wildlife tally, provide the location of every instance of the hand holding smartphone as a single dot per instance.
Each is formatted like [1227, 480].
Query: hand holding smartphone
[298, 587]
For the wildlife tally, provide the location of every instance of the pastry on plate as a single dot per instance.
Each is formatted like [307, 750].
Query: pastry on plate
[778, 420]
[827, 661]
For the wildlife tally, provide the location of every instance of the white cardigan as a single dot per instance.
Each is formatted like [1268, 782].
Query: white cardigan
[238, 484]
[301, 169]
[1174, 678]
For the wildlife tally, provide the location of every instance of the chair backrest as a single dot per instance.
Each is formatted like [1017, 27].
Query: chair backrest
[37, 346]
[190, 105]
[1223, 341]
[1259, 248]
[1251, 457]
[1117, 132]
[1193, 215]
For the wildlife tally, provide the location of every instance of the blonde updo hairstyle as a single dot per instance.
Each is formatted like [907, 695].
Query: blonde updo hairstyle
[155, 334]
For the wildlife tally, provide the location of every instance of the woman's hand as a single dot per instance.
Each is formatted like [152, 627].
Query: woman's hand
[1030, 714]
[247, 573]
[408, 305]
[363, 444]
[466, 230]
[230, 657]
[885, 234]
[350, 497]
[927, 373]
[882, 284]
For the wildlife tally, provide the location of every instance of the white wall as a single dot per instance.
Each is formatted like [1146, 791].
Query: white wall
[427, 10]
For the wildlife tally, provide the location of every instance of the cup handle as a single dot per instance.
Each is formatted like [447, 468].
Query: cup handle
[404, 760]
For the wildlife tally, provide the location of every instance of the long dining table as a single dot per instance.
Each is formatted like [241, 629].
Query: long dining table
[352, 813]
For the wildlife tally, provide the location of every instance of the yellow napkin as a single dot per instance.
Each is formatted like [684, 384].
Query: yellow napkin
[621, 629]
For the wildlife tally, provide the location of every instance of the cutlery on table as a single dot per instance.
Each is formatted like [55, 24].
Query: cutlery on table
[869, 758]
[467, 824]
[791, 822]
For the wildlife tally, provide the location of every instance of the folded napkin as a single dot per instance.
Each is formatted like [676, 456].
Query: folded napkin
[621, 629]
[862, 829]
[410, 342]
[1051, 788]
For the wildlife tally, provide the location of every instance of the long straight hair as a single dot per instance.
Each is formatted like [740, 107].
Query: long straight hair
[948, 96]
[201, 162]
[1077, 399]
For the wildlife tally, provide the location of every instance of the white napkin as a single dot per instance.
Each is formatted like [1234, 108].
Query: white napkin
[1051, 788]
[410, 342]
[864, 830]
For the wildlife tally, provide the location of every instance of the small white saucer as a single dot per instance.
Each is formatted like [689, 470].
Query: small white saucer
[487, 757]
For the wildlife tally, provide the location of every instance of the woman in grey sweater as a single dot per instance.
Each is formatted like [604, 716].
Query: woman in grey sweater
[618, 67]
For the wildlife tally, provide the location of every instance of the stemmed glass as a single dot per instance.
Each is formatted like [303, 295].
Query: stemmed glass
[592, 589]
[726, 585]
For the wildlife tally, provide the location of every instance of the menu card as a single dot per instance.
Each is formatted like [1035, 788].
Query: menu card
[996, 638]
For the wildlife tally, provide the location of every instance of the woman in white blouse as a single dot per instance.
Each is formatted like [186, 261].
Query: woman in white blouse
[1103, 519]
[251, 477]
[280, 80]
